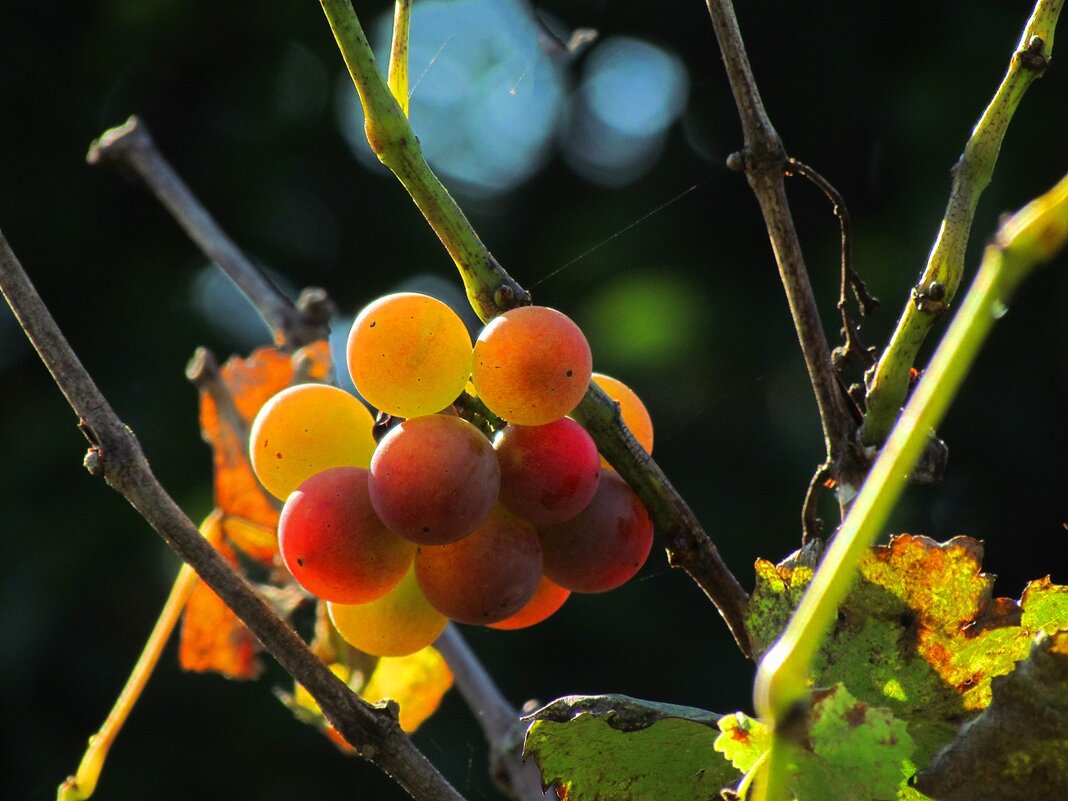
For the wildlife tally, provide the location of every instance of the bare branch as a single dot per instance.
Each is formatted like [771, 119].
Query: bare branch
[116, 455]
[764, 161]
[130, 145]
[499, 720]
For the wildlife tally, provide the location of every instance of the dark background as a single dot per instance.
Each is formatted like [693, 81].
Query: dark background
[879, 97]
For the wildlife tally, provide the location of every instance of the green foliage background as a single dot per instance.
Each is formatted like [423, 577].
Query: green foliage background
[879, 98]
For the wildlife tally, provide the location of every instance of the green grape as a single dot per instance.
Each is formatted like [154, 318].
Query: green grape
[549, 473]
[434, 479]
[304, 430]
[487, 576]
[547, 599]
[605, 545]
[399, 623]
[532, 365]
[409, 354]
[334, 545]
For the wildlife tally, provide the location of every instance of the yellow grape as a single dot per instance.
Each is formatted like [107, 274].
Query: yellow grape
[531, 365]
[409, 354]
[634, 413]
[399, 623]
[306, 429]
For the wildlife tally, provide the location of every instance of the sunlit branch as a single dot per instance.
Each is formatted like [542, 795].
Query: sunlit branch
[888, 384]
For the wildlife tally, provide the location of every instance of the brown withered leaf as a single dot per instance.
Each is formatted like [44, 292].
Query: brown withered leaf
[212, 637]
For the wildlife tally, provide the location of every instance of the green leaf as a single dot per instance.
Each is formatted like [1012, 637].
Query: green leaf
[858, 752]
[743, 740]
[615, 748]
[920, 633]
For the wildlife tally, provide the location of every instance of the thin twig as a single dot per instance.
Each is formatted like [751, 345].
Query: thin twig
[499, 720]
[116, 455]
[850, 279]
[130, 145]
[764, 160]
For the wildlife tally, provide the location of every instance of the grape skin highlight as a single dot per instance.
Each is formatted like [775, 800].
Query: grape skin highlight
[304, 430]
[532, 365]
[409, 354]
[334, 544]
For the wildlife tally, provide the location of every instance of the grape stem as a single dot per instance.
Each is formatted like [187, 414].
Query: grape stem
[499, 720]
[130, 146]
[491, 291]
[116, 455]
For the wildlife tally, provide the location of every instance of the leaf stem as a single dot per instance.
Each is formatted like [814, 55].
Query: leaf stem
[888, 383]
[83, 783]
[116, 455]
[130, 145]
[1030, 237]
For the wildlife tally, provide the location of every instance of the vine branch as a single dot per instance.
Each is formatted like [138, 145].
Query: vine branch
[116, 455]
[888, 383]
[1031, 237]
[764, 161]
[131, 146]
[491, 291]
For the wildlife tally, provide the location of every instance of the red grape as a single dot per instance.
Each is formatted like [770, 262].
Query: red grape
[605, 545]
[549, 473]
[334, 545]
[485, 577]
[434, 479]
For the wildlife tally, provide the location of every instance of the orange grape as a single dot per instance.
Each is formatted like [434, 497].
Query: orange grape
[547, 599]
[531, 365]
[399, 623]
[304, 430]
[409, 354]
[634, 413]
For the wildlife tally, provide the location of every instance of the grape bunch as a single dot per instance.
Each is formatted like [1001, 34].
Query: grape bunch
[435, 521]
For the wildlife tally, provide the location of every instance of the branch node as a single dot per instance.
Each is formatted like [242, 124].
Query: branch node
[1031, 57]
[315, 306]
[736, 161]
[94, 462]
